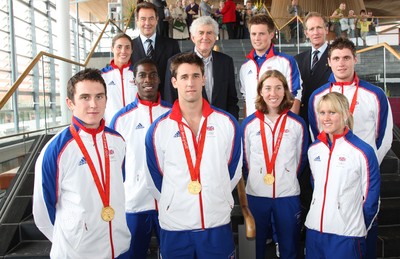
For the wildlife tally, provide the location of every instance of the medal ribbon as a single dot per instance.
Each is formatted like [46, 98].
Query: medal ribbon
[353, 100]
[104, 193]
[271, 163]
[194, 171]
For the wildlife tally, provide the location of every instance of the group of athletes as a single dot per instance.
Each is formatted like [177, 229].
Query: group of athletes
[132, 164]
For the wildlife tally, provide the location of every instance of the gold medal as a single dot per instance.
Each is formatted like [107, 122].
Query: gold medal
[194, 187]
[107, 213]
[269, 179]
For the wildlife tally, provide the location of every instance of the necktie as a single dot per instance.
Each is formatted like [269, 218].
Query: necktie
[314, 59]
[150, 49]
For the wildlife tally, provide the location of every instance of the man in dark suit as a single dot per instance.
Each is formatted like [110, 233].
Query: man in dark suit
[315, 72]
[314, 68]
[151, 45]
[219, 89]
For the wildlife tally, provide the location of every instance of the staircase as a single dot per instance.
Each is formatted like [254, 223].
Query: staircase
[19, 237]
[389, 219]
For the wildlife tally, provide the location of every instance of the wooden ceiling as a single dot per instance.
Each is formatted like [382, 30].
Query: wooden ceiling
[96, 11]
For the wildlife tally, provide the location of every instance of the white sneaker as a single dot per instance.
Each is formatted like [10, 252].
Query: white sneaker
[277, 250]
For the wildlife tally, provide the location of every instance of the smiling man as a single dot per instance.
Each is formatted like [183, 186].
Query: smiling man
[150, 44]
[373, 121]
[220, 89]
[132, 123]
[78, 200]
[194, 158]
[118, 76]
[265, 57]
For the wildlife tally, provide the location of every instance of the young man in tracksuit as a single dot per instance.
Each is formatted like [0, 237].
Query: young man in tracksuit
[118, 75]
[132, 122]
[194, 158]
[78, 199]
[265, 57]
[373, 121]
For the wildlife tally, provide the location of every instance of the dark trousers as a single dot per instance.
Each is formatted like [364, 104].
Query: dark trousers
[230, 29]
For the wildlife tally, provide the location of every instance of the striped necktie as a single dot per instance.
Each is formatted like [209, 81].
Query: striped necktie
[314, 59]
[150, 49]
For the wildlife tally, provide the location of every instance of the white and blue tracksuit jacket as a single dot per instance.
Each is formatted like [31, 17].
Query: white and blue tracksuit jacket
[66, 203]
[346, 179]
[250, 74]
[132, 122]
[290, 161]
[121, 89]
[169, 176]
[373, 121]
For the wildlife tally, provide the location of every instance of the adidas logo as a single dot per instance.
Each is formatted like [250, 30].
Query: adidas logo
[139, 126]
[177, 134]
[82, 161]
[258, 133]
[250, 72]
[318, 159]
[111, 83]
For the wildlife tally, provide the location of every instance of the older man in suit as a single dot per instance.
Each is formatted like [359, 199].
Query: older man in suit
[313, 63]
[220, 89]
[150, 44]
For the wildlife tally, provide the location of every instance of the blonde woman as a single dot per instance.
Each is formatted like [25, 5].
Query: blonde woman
[346, 181]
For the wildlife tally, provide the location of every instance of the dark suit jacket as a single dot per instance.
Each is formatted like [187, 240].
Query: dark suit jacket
[224, 94]
[311, 80]
[189, 17]
[164, 49]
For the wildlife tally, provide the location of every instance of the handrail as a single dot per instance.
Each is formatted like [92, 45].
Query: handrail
[36, 59]
[384, 45]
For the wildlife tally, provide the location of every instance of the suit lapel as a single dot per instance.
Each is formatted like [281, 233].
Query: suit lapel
[138, 46]
[322, 67]
[307, 61]
[216, 71]
[160, 48]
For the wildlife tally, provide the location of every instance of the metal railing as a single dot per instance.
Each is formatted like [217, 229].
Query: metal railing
[42, 54]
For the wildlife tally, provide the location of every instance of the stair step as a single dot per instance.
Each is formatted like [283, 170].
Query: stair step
[19, 209]
[26, 187]
[389, 212]
[396, 146]
[31, 249]
[390, 185]
[389, 241]
[390, 164]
